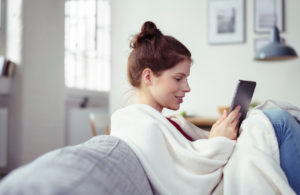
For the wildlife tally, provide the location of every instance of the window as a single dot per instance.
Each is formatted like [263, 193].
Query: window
[2, 27]
[87, 44]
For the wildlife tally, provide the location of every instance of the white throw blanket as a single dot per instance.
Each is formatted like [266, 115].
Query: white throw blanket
[293, 110]
[175, 165]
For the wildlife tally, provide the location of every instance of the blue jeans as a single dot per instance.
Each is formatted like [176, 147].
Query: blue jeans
[287, 131]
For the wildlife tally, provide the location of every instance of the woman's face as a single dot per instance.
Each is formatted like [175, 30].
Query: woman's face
[169, 88]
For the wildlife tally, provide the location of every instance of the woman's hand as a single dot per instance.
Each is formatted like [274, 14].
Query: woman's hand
[227, 125]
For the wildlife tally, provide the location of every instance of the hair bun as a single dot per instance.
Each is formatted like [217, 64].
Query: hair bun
[148, 32]
[149, 28]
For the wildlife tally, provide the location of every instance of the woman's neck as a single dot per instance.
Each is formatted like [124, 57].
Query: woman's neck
[143, 97]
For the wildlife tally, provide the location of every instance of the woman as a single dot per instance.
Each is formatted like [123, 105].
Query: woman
[178, 157]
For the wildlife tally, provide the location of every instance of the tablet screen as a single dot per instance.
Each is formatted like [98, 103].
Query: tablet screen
[242, 96]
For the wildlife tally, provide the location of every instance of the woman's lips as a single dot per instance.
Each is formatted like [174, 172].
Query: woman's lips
[179, 99]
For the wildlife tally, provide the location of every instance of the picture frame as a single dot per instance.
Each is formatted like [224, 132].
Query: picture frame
[226, 21]
[267, 13]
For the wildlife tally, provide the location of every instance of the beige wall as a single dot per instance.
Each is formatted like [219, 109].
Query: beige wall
[217, 67]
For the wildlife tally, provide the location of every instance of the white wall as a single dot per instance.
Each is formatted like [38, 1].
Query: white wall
[216, 68]
[35, 31]
[14, 29]
[43, 61]
[39, 103]
[35, 42]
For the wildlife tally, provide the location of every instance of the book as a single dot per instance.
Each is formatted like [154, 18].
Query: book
[2, 65]
[11, 69]
[5, 68]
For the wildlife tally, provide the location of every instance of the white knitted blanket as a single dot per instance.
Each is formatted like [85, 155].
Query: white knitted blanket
[175, 165]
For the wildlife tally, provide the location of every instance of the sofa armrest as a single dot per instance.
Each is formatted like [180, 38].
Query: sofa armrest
[102, 165]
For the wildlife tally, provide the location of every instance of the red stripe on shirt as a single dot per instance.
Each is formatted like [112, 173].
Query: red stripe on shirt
[180, 130]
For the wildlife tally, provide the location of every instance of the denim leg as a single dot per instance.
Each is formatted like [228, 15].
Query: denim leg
[287, 131]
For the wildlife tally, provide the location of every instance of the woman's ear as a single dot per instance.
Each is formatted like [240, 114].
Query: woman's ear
[147, 76]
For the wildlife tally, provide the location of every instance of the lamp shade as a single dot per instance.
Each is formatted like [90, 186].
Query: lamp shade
[275, 50]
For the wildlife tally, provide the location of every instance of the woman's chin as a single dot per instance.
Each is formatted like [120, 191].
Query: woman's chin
[173, 107]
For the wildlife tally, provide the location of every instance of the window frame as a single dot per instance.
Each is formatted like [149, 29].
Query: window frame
[94, 95]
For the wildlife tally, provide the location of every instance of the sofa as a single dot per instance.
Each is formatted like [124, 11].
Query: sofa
[102, 165]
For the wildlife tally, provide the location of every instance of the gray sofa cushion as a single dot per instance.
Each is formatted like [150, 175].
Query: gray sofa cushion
[102, 165]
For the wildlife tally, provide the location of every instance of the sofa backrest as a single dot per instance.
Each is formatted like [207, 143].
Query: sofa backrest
[102, 165]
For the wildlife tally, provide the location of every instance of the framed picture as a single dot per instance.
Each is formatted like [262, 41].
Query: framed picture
[268, 13]
[261, 42]
[226, 20]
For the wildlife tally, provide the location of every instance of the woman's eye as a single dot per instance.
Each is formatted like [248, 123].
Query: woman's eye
[177, 79]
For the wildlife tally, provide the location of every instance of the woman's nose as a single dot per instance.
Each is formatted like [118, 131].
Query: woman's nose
[187, 87]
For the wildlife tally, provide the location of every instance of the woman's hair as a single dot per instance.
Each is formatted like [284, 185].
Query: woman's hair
[154, 50]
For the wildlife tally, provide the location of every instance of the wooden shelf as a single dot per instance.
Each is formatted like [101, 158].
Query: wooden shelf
[5, 85]
[202, 121]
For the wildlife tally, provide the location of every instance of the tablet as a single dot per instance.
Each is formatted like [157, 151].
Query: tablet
[242, 96]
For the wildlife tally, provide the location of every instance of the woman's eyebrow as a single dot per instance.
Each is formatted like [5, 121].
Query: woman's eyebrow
[181, 74]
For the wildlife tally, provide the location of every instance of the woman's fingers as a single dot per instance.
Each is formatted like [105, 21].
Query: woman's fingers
[222, 118]
[227, 125]
[235, 122]
[234, 114]
[224, 115]
[237, 117]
